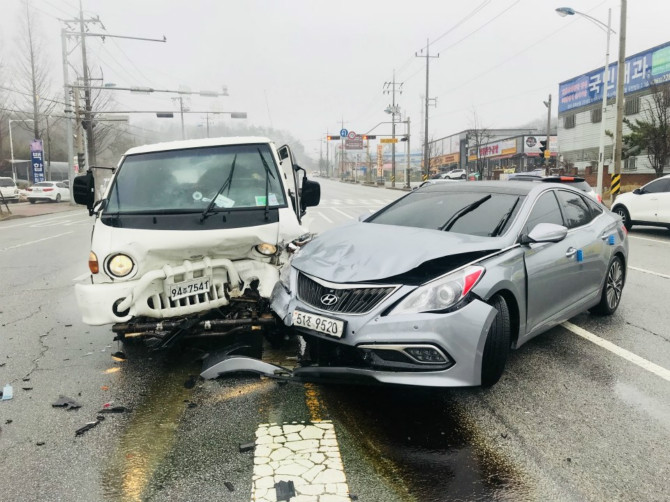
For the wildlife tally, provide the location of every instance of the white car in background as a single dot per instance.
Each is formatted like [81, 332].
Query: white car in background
[455, 174]
[647, 205]
[52, 191]
[9, 190]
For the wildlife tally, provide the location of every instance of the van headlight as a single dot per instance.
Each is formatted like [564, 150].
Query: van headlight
[120, 265]
[266, 249]
[440, 294]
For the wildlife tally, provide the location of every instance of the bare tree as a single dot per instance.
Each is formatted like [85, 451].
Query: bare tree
[478, 136]
[32, 84]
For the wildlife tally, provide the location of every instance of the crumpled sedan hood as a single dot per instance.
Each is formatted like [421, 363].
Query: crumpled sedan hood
[371, 251]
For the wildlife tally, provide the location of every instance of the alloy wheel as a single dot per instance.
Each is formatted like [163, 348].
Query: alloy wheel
[614, 284]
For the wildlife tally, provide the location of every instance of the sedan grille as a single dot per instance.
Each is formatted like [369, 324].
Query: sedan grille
[340, 298]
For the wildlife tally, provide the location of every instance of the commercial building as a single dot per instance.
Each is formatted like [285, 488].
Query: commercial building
[580, 111]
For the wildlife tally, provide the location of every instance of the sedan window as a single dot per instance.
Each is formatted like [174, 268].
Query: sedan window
[545, 210]
[576, 211]
[473, 213]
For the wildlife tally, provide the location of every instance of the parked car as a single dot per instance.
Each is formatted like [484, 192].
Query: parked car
[647, 205]
[51, 191]
[435, 288]
[9, 190]
[455, 174]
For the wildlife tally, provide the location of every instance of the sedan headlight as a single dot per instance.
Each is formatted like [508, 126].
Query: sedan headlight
[441, 293]
[120, 265]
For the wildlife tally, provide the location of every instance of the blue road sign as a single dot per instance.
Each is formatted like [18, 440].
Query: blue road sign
[343, 133]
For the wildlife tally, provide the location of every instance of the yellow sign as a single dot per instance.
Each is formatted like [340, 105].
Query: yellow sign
[388, 140]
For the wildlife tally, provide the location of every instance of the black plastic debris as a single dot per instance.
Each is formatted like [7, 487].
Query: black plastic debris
[285, 490]
[229, 485]
[190, 383]
[119, 356]
[245, 447]
[26, 379]
[86, 427]
[192, 405]
[27, 388]
[40, 443]
[66, 402]
[7, 422]
[115, 409]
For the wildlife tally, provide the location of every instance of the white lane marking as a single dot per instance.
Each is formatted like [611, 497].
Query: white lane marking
[658, 241]
[649, 272]
[343, 213]
[305, 453]
[629, 356]
[32, 221]
[324, 217]
[35, 242]
[64, 223]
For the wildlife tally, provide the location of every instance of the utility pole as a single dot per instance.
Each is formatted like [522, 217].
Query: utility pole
[409, 153]
[426, 154]
[342, 153]
[181, 112]
[548, 150]
[68, 115]
[616, 177]
[327, 156]
[88, 116]
[390, 88]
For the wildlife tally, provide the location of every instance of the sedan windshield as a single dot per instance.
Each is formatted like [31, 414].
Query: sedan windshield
[229, 177]
[472, 213]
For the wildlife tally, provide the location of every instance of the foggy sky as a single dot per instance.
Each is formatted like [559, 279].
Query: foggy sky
[306, 66]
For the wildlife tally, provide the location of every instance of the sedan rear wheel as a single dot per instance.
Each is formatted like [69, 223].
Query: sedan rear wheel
[497, 344]
[611, 295]
[57, 198]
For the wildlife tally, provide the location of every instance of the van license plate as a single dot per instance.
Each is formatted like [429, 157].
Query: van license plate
[180, 290]
[319, 323]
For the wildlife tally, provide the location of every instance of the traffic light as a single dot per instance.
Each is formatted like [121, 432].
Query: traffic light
[333, 138]
[81, 161]
[543, 148]
[369, 136]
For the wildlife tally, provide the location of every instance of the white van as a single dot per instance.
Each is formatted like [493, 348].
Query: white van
[190, 236]
[8, 190]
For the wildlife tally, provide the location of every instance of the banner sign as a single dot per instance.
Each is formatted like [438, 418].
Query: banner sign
[531, 145]
[37, 160]
[380, 161]
[640, 71]
[504, 147]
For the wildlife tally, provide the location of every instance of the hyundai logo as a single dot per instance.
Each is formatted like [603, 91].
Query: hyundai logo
[329, 299]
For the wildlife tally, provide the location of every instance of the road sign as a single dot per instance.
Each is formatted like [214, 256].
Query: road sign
[353, 144]
[343, 133]
[388, 140]
[547, 154]
[351, 135]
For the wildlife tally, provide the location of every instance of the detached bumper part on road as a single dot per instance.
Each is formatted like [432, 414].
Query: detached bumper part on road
[379, 348]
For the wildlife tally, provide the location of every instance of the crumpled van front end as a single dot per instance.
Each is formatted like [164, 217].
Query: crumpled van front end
[190, 237]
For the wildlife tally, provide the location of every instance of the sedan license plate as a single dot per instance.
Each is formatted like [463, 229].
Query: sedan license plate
[183, 289]
[319, 323]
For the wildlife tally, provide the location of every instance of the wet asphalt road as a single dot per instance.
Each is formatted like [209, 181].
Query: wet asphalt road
[568, 421]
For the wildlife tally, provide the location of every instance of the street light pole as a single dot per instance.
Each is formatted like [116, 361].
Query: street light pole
[567, 11]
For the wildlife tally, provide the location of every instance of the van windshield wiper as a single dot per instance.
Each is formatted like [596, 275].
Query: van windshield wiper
[208, 209]
[462, 212]
[268, 173]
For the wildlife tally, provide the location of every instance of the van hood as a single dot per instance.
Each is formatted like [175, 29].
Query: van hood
[364, 252]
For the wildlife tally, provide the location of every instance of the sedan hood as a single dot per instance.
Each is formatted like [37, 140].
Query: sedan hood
[370, 252]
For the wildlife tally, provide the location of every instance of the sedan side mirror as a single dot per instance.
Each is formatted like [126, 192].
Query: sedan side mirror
[83, 189]
[545, 232]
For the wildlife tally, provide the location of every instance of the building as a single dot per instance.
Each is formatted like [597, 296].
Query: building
[455, 151]
[580, 111]
[519, 153]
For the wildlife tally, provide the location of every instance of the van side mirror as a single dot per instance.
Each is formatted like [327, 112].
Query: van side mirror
[83, 190]
[310, 194]
[637, 191]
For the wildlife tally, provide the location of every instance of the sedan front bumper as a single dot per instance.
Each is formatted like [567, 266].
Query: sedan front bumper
[461, 335]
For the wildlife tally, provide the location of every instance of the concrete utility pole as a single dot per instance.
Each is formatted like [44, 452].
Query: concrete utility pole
[548, 150]
[390, 88]
[181, 112]
[409, 154]
[616, 177]
[426, 153]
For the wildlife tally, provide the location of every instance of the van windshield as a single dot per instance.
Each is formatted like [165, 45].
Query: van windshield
[188, 180]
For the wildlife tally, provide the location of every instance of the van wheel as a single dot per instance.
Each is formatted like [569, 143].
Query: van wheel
[497, 344]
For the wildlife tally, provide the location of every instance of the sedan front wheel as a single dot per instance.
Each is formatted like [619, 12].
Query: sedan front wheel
[497, 344]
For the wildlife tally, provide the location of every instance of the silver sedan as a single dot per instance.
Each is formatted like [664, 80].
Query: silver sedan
[437, 287]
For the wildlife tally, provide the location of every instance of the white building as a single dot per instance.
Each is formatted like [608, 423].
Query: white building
[580, 109]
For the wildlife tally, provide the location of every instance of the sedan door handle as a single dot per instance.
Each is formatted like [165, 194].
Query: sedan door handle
[570, 252]
[604, 236]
